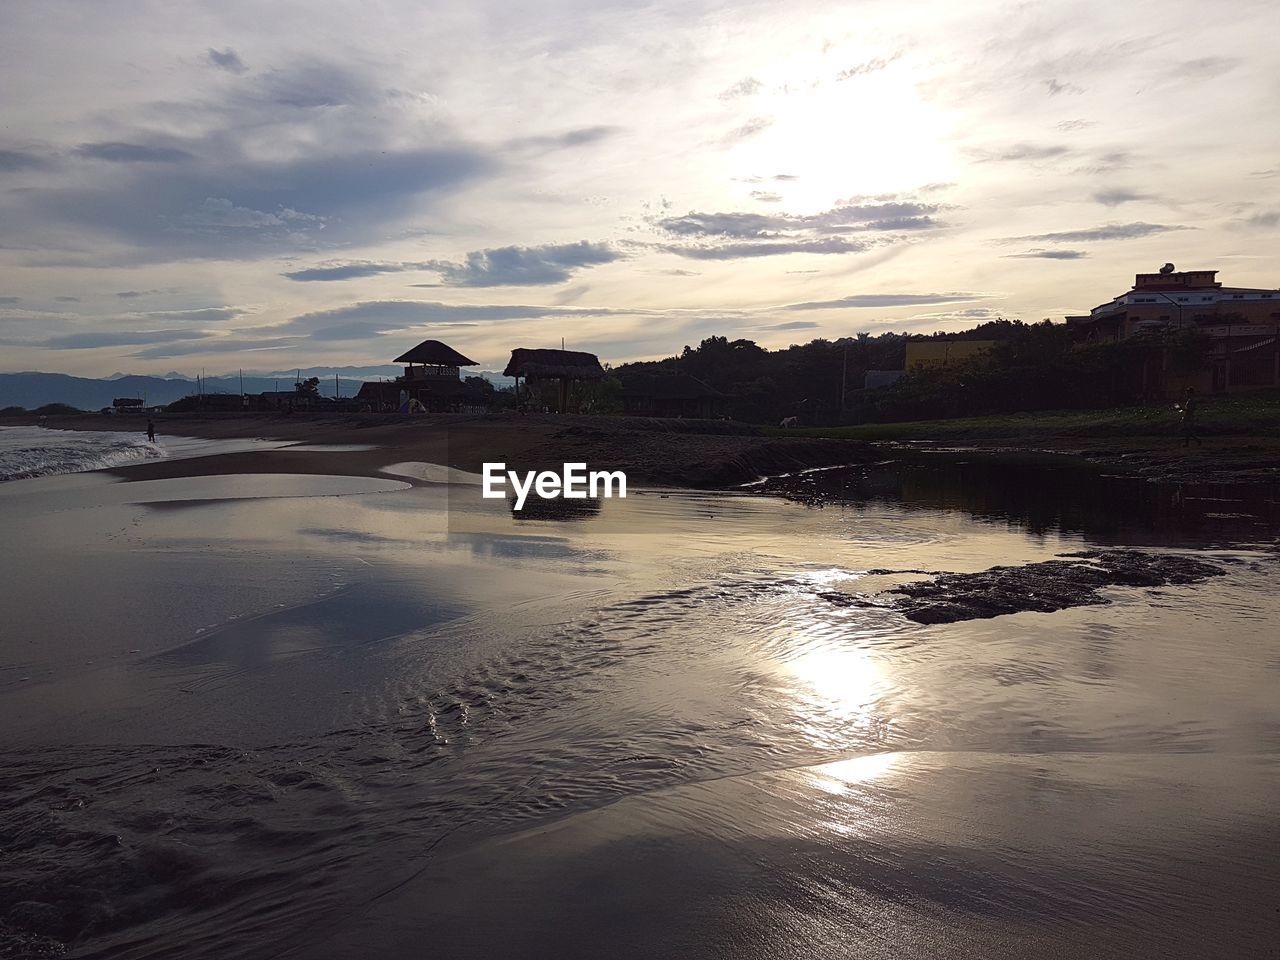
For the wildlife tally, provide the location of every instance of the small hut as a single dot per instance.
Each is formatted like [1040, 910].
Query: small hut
[564, 367]
[432, 379]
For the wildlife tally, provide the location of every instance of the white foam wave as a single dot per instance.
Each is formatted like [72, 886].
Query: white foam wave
[27, 452]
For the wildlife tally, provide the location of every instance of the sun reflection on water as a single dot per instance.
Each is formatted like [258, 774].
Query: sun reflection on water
[845, 680]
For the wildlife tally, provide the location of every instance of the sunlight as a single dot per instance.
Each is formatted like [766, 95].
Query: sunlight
[868, 135]
[836, 777]
[847, 679]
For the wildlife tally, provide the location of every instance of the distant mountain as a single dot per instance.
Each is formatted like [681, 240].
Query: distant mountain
[32, 389]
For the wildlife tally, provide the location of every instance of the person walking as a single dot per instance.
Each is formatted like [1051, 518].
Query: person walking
[151, 431]
[1188, 408]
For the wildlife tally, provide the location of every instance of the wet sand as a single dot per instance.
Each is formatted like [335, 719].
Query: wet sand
[284, 703]
[694, 453]
[891, 855]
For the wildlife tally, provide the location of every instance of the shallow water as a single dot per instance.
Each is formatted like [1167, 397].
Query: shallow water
[243, 717]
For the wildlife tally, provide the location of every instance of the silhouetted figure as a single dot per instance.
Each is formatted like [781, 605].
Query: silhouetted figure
[151, 431]
[1188, 409]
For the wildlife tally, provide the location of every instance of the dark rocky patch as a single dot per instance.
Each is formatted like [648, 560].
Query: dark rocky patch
[1074, 580]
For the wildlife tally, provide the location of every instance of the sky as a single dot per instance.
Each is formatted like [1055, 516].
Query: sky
[268, 186]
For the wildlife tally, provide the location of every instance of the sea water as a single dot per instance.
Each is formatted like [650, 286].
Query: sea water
[36, 451]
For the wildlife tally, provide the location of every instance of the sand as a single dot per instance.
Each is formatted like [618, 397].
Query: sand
[283, 702]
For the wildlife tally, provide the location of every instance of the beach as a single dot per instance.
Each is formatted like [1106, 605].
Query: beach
[301, 691]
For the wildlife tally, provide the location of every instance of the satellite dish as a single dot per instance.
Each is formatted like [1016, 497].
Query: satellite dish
[1167, 268]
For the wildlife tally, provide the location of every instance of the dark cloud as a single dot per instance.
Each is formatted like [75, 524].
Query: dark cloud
[719, 236]
[66, 299]
[745, 87]
[1266, 219]
[369, 318]
[580, 137]
[1115, 197]
[200, 315]
[899, 215]
[341, 168]
[1110, 162]
[10, 300]
[351, 270]
[242, 208]
[792, 325]
[769, 248]
[1206, 68]
[1048, 255]
[117, 152]
[317, 84]
[1056, 87]
[12, 161]
[860, 301]
[87, 341]
[523, 266]
[873, 65]
[1022, 151]
[749, 129]
[227, 60]
[1110, 231]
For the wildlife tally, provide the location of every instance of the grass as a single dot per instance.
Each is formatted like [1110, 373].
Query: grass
[1249, 415]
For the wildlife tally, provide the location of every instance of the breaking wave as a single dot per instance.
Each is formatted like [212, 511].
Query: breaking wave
[37, 452]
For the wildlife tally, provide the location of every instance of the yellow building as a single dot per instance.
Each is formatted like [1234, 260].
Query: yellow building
[924, 354]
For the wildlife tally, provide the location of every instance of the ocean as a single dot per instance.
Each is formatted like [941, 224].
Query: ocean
[36, 451]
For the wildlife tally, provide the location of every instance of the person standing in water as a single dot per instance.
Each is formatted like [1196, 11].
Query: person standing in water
[151, 431]
[1188, 408]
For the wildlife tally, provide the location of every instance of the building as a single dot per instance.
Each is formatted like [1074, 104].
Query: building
[670, 395]
[128, 404]
[926, 353]
[1240, 325]
[432, 382]
[550, 373]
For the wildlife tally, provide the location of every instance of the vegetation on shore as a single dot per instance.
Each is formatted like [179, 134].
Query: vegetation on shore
[1247, 415]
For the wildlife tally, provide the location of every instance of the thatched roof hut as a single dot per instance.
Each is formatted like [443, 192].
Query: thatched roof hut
[433, 353]
[564, 366]
[553, 365]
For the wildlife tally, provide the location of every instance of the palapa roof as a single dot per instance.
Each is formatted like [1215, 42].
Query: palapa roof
[548, 364]
[436, 354]
[670, 386]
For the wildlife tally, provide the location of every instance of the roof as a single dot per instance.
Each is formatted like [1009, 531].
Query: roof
[436, 354]
[539, 364]
[671, 386]
[127, 402]
[390, 389]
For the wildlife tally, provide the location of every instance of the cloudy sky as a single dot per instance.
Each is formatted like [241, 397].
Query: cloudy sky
[271, 186]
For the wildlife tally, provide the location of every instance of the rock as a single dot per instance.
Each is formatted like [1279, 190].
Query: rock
[1074, 580]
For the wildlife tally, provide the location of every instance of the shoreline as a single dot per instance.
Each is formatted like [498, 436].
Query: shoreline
[693, 454]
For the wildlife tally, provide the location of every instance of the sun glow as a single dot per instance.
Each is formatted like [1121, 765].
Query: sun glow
[848, 680]
[863, 136]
